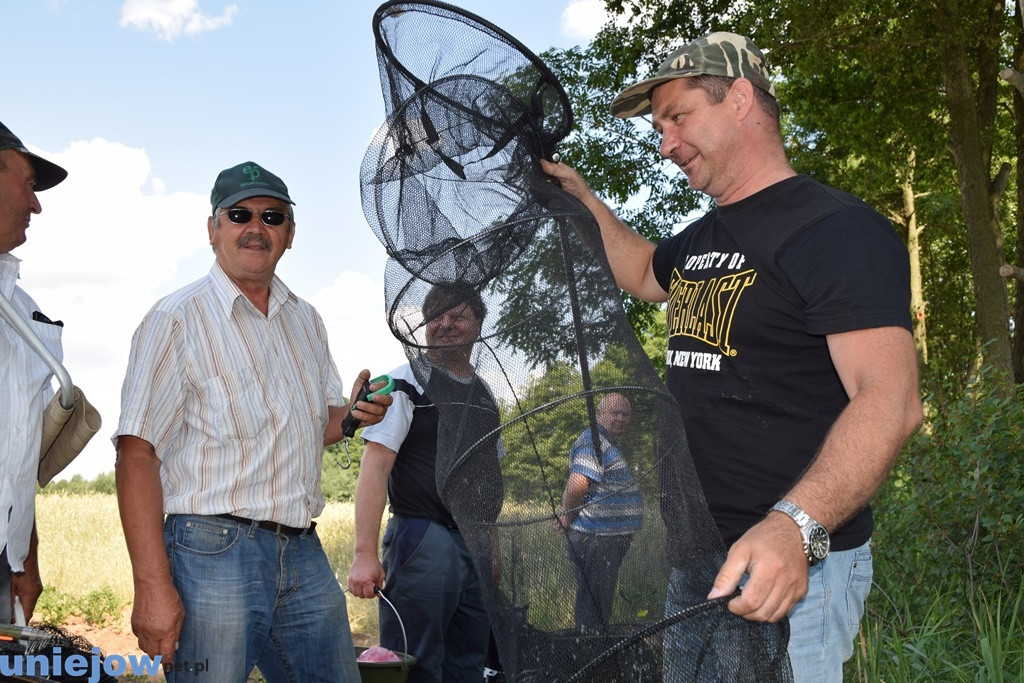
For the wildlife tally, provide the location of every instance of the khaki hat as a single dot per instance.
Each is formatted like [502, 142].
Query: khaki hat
[716, 54]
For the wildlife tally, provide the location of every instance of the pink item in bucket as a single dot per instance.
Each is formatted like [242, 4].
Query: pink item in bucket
[377, 653]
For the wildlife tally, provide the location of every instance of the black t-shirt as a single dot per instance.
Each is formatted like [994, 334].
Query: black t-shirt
[753, 289]
[452, 450]
[411, 489]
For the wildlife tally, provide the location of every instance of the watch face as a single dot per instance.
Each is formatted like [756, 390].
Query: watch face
[818, 542]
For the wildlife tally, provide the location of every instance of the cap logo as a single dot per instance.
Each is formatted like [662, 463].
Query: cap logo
[252, 171]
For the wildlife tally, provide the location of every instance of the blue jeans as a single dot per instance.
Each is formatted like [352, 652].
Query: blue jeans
[432, 583]
[824, 624]
[596, 560]
[256, 598]
[707, 642]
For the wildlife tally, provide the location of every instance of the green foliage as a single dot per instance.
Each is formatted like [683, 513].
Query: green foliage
[618, 158]
[1000, 629]
[957, 498]
[949, 548]
[949, 551]
[97, 607]
[54, 606]
[655, 342]
[561, 278]
[337, 477]
[77, 484]
[537, 443]
[338, 482]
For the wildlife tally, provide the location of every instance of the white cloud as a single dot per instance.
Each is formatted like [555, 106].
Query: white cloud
[353, 311]
[582, 19]
[98, 257]
[169, 19]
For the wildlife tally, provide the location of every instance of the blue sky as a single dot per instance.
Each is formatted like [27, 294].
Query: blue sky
[145, 101]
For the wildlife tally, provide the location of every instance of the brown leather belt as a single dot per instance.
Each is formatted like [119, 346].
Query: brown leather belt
[270, 526]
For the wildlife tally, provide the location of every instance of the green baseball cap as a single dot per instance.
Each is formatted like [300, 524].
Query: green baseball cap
[716, 54]
[245, 180]
[48, 173]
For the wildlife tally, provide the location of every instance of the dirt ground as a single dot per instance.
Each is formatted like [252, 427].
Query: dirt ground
[112, 639]
[109, 639]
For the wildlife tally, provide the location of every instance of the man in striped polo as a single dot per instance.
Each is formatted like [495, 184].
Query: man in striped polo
[230, 396]
[601, 510]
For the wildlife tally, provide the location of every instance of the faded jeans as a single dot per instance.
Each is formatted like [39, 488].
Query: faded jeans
[256, 598]
[822, 626]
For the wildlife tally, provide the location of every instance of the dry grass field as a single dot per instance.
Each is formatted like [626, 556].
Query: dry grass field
[82, 552]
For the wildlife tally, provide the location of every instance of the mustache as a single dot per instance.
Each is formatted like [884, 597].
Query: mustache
[253, 237]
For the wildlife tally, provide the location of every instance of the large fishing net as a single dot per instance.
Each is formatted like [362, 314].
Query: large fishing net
[452, 187]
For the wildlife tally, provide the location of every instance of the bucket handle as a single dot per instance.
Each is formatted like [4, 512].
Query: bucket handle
[401, 624]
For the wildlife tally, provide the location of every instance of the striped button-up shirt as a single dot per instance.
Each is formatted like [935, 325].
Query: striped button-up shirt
[233, 401]
[24, 393]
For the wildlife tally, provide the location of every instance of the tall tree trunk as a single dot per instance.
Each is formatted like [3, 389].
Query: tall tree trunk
[969, 153]
[917, 306]
[1018, 135]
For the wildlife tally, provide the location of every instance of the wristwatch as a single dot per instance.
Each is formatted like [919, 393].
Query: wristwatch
[816, 538]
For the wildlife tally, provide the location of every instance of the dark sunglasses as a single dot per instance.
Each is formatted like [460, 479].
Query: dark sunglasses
[270, 217]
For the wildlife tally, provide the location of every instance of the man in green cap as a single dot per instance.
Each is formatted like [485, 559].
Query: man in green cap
[790, 351]
[25, 390]
[230, 396]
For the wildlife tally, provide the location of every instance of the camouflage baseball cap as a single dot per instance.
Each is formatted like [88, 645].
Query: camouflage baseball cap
[716, 54]
[48, 173]
[245, 180]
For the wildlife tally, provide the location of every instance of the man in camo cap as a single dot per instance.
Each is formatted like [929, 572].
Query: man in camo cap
[789, 350]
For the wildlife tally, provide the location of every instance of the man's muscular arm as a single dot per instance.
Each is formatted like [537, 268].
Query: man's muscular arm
[878, 368]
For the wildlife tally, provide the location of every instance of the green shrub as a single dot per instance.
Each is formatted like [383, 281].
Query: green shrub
[949, 548]
[96, 607]
[337, 476]
[54, 606]
[100, 606]
[103, 483]
[952, 512]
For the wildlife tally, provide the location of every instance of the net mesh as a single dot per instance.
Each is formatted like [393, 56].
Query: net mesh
[451, 185]
[44, 653]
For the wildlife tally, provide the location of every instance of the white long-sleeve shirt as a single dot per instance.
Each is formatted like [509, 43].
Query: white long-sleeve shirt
[25, 391]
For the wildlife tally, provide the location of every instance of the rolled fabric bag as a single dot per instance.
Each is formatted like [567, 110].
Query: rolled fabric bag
[69, 421]
[65, 434]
